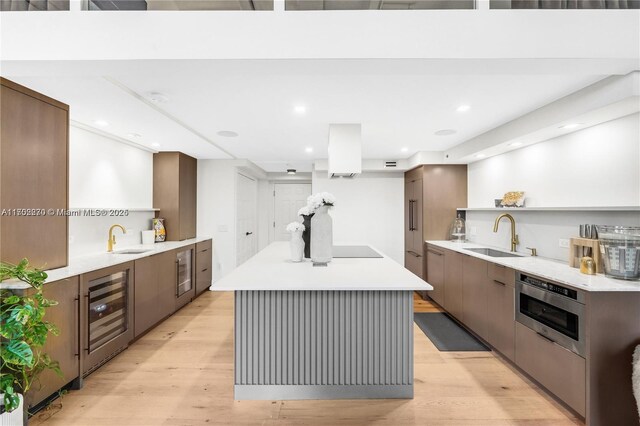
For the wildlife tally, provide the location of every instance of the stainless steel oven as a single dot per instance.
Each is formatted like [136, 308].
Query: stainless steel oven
[552, 310]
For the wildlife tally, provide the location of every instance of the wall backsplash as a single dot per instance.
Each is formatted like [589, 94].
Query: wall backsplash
[89, 234]
[540, 229]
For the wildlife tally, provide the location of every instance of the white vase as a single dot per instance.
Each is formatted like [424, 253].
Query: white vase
[297, 246]
[321, 236]
[16, 417]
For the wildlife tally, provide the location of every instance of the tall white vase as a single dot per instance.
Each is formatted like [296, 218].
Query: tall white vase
[321, 236]
[297, 246]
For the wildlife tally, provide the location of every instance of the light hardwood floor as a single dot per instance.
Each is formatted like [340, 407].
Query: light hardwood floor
[181, 373]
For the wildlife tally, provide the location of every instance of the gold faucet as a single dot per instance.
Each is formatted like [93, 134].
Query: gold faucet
[514, 236]
[112, 238]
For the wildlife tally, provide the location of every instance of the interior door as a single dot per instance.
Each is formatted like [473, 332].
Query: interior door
[246, 219]
[288, 199]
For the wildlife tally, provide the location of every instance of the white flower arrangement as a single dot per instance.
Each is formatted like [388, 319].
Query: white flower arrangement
[320, 199]
[305, 211]
[295, 227]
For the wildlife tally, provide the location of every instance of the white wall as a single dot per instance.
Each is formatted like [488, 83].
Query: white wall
[217, 186]
[597, 166]
[369, 210]
[105, 173]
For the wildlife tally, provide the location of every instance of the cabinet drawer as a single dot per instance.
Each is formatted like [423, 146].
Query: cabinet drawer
[559, 370]
[203, 246]
[414, 262]
[435, 274]
[502, 274]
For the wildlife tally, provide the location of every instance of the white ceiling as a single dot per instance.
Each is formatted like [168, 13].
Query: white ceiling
[399, 103]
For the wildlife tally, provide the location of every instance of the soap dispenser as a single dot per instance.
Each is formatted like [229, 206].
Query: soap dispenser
[458, 230]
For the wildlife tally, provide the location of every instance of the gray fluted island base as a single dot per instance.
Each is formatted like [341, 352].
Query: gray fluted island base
[344, 331]
[323, 344]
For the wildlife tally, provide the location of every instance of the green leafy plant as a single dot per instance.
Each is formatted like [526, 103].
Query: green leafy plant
[23, 332]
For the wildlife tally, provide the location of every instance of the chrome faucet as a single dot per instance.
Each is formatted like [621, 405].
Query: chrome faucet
[514, 236]
[112, 238]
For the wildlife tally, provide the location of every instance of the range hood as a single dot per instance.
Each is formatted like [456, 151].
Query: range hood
[345, 150]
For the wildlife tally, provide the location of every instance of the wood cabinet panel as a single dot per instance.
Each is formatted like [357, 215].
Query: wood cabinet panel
[174, 193]
[559, 370]
[65, 347]
[203, 266]
[435, 274]
[33, 175]
[444, 191]
[474, 295]
[453, 284]
[501, 317]
[155, 290]
[502, 274]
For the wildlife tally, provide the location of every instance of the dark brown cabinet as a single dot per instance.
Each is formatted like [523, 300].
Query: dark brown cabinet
[474, 295]
[175, 193]
[203, 266]
[155, 290]
[453, 283]
[432, 195]
[435, 274]
[34, 147]
[65, 347]
[501, 309]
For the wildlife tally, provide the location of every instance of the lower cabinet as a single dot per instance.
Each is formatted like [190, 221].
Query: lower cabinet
[414, 262]
[435, 274]
[65, 347]
[203, 266]
[559, 370]
[453, 284]
[474, 295]
[501, 310]
[155, 290]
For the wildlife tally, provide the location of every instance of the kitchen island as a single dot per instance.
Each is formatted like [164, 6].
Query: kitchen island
[340, 331]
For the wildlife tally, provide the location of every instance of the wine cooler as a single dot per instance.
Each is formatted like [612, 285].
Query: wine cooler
[185, 288]
[107, 324]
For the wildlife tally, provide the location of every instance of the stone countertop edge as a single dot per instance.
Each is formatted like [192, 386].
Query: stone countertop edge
[93, 262]
[550, 269]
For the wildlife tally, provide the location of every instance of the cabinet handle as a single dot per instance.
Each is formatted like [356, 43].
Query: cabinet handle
[205, 270]
[248, 233]
[545, 337]
[499, 282]
[202, 251]
[413, 253]
[435, 252]
[410, 215]
[76, 316]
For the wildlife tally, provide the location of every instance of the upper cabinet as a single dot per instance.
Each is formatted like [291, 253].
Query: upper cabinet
[34, 151]
[175, 192]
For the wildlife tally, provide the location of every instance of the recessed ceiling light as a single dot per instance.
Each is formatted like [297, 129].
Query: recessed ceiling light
[569, 126]
[291, 171]
[515, 144]
[155, 145]
[480, 155]
[463, 108]
[134, 135]
[101, 123]
[308, 149]
[445, 132]
[404, 149]
[158, 98]
[227, 134]
[299, 109]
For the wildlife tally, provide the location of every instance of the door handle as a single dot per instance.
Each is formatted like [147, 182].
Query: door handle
[411, 227]
[248, 233]
[76, 316]
[499, 282]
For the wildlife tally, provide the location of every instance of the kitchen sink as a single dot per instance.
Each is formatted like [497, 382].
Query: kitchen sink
[492, 252]
[131, 251]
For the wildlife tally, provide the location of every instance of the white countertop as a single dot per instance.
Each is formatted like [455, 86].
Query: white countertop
[93, 262]
[546, 268]
[272, 269]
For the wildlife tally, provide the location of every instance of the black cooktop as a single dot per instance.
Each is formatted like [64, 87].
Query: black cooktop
[355, 252]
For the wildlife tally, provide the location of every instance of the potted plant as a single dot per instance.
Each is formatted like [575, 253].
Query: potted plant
[23, 333]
